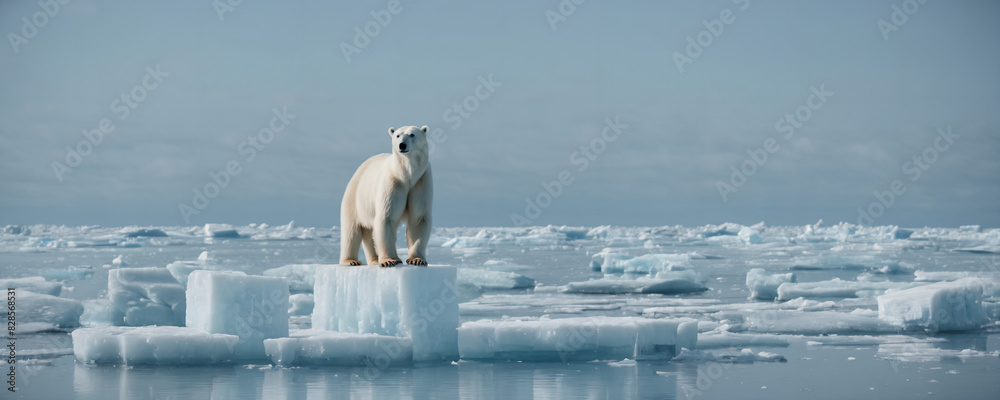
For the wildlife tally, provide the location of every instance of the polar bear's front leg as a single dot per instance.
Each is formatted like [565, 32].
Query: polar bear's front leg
[385, 243]
[418, 224]
[384, 228]
[418, 232]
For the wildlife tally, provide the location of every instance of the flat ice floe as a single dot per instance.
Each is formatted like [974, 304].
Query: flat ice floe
[744, 356]
[160, 345]
[622, 285]
[315, 347]
[576, 338]
[836, 288]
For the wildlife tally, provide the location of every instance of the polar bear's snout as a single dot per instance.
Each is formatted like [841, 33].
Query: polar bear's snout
[402, 148]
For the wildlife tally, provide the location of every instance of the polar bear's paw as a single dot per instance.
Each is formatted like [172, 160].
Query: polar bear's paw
[416, 261]
[350, 262]
[389, 262]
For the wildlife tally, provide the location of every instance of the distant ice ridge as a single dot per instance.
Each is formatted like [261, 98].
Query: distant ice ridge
[580, 339]
[420, 303]
[764, 286]
[942, 306]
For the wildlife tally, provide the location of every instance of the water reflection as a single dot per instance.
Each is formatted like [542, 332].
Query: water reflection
[465, 380]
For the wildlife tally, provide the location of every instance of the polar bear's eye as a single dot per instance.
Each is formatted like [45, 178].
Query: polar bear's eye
[411, 135]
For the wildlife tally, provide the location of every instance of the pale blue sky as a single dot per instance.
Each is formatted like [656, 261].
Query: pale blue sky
[606, 59]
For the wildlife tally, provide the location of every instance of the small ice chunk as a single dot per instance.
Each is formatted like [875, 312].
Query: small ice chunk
[157, 345]
[301, 304]
[221, 231]
[943, 306]
[611, 285]
[315, 347]
[41, 312]
[578, 339]
[119, 261]
[749, 235]
[416, 302]
[146, 296]
[493, 280]
[252, 307]
[764, 286]
[623, 363]
[35, 284]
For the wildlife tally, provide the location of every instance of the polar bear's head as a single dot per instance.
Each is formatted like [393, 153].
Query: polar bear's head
[409, 139]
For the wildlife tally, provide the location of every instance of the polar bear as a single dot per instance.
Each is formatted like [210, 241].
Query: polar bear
[386, 190]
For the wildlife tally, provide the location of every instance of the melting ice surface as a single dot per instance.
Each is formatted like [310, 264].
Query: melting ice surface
[811, 311]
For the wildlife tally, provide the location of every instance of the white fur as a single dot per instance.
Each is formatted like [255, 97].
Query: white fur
[386, 190]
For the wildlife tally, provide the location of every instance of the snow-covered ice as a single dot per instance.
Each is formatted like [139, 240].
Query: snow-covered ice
[942, 306]
[764, 286]
[416, 302]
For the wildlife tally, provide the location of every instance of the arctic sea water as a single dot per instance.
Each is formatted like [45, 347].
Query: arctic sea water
[820, 334]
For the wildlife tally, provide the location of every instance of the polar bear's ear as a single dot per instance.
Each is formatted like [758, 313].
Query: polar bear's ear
[424, 128]
[392, 130]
